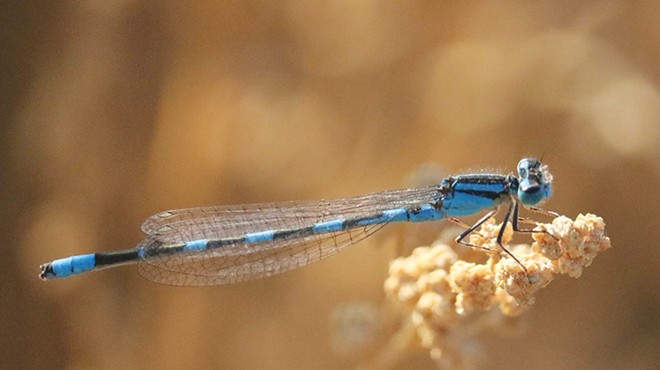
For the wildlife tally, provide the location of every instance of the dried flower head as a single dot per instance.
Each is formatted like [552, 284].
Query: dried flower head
[443, 297]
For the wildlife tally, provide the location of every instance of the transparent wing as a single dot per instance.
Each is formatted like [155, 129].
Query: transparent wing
[240, 261]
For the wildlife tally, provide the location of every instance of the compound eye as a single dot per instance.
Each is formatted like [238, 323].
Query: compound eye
[523, 165]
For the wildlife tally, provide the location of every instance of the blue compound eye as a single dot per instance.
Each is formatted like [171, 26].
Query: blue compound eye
[523, 165]
[527, 165]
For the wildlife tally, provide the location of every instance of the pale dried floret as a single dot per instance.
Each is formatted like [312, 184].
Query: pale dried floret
[435, 281]
[474, 286]
[433, 311]
[576, 245]
[520, 285]
[411, 276]
[486, 237]
[404, 274]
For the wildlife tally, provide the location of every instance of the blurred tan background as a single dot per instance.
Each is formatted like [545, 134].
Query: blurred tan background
[115, 110]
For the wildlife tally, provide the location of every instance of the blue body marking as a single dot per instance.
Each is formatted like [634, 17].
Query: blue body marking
[195, 245]
[329, 226]
[260, 236]
[392, 215]
[73, 265]
[228, 244]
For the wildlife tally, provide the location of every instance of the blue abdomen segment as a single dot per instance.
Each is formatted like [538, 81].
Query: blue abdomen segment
[73, 265]
[329, 226]
[195, 245]
[260, 236]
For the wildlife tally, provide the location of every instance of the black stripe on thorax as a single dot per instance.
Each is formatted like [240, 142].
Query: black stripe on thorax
[482, 193]
[488, 179]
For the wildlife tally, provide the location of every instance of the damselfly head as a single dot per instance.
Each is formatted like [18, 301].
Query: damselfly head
[535, 181]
